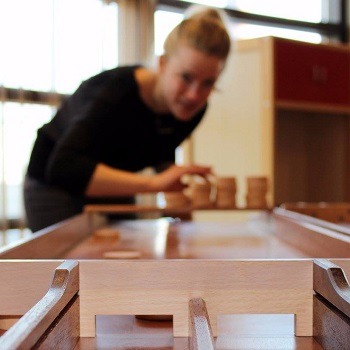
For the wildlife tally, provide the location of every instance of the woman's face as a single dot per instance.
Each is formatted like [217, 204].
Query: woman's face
[186, 80]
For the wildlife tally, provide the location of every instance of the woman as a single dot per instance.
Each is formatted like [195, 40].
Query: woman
[123, 120]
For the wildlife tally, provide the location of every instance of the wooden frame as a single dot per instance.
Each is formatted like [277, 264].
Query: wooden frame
[197, 290]
[331, 304]
[121, 287]
[107, 287]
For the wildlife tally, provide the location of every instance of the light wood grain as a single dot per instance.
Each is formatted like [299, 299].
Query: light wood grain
[251, 286]
[17, 278]
[29, 329]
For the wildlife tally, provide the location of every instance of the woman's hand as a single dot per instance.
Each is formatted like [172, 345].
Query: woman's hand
[170, 179]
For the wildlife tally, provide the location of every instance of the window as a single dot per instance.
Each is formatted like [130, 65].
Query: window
[313, 21]
[164, 22]
[47, 48]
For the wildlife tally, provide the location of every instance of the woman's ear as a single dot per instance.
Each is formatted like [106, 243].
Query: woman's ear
[162, 62]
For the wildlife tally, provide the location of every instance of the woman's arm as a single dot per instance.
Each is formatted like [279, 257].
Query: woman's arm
[107, 181]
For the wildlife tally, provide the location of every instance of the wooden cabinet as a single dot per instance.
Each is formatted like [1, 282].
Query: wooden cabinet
[282, 110]
[307, 73]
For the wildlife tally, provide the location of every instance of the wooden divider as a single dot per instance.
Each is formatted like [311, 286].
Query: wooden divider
[165, 288]
[201, 335]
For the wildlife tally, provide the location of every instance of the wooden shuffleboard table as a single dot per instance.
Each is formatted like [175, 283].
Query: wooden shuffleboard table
[275, 280]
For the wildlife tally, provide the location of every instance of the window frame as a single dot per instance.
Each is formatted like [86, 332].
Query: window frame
[338, 31]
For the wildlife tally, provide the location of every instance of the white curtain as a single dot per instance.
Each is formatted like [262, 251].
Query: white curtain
[136, 31]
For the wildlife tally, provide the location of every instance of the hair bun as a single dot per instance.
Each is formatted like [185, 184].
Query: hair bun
[206, 12]
[203, 28]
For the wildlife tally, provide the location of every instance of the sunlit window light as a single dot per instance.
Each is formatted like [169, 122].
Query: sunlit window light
[249, 31]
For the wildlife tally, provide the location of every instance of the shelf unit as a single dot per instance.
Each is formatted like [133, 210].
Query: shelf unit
[282, 110]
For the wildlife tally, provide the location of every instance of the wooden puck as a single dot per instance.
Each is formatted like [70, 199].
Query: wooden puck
[122, 254]
[7, 323]
[107, 232]
[155, 317]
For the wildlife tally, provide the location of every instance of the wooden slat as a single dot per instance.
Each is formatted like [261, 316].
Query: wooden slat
[331, 327]
[64, 332]
[29, 329]
[331, 283]
[227, 286]
[201, 335]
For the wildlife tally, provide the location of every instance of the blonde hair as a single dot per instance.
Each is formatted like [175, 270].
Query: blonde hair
[204, 29]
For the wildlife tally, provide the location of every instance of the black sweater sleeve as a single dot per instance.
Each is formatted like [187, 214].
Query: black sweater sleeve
[69, 165]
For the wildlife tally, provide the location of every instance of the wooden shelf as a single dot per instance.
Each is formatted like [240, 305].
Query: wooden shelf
[129, 208]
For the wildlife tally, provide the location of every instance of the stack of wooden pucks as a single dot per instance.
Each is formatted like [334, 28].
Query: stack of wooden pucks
[256, 192]
[200, 194]
[176, 199]
[226, 189]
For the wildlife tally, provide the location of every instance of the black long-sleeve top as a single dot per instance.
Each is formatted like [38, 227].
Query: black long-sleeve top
[104, 121]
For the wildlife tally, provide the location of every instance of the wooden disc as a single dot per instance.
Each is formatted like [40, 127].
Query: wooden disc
[155, 317]
[7, 323]
[122, 254]
[107, 232]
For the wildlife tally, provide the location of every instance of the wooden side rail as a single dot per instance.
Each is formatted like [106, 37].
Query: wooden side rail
[54, 241]
[310, 236]
[29, 329]
[201, 335]
[303, 217]
[327, 211]
[331, 283]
